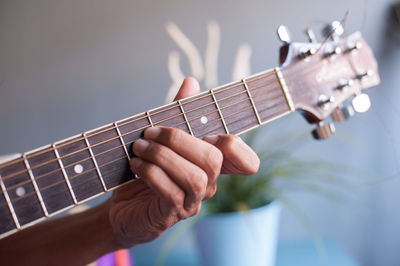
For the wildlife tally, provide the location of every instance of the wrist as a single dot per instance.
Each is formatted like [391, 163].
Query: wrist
[107, 236]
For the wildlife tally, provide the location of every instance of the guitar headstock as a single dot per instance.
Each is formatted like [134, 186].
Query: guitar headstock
[328, 79]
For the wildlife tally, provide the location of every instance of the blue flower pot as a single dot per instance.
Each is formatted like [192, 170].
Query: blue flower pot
[239, 238]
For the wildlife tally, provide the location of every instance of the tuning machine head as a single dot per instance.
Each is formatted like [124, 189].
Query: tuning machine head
[361, 103]
[312, 38]
[342, 113]
[323, 131]
[283, 34]
[333, 30]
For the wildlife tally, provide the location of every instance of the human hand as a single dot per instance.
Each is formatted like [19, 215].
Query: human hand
[178, 172]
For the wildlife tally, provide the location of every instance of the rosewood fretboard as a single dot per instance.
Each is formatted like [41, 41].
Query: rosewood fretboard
[53, 178]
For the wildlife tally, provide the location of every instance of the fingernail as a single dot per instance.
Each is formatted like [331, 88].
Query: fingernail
[140, 145]
[136, 162]
[211, 139]
[152, 132]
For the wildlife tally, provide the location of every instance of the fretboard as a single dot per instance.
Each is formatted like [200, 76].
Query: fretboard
[48, 180]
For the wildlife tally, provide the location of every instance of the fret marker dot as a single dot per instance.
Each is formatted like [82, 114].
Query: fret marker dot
[78, 168]
[20, 191]
[204, 120]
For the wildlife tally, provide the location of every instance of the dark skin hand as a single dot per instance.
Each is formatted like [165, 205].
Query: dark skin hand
[178, 172]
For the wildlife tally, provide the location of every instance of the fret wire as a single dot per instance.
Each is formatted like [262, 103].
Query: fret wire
[252, 89]
[123, 145]
[10, 206]
[245, 109]
[39, 195]
[257, 76]
[73, 177]
[252, 101]
[285, 89]
[70, 154]
[219, 111]
[186, 119]
[216, 120]
[126, 123]
[65, 174]
[122, 140]
[95, 162]
[149, 118]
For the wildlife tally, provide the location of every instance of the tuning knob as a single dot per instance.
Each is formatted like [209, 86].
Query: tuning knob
[310, 35]
[342, 113]
[283, 34]
[333, 30]
[361, 103]
[304, 53]
[323, 131]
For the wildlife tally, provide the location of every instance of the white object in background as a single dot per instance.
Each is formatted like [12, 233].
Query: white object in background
[209, 72]
[211, 58]
[241, 67]
[190, 50]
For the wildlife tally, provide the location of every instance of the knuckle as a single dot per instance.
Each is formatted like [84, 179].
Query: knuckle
[177, 200]
[215, 159]
[230, 142]
[211, 192]
[148, 171]
[172, 136]
[198, 183]
[157, 152]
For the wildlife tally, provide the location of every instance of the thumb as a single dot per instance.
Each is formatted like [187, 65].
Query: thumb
[189, 87]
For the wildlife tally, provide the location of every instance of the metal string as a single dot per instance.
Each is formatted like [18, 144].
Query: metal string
[124, 157]
[130, 132]
[264, 75]
[119, 146]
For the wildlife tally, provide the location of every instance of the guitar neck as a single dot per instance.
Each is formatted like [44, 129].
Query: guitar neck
[48, 180]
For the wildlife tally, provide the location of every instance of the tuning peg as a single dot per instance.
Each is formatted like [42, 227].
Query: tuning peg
[310, 35]
[283, 34]
[362, 75]
[353, 46]
[342, 113]
[323, 131]
[333, 30]
[343, 84]
[304, 53]
[333, 52]
[324, 101]
[361, 103]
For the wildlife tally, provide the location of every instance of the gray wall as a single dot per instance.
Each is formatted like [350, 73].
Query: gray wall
[69, 66]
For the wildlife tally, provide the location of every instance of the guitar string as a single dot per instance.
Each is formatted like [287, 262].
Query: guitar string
[131, 132]
[270, 73]
[121, 146]
[93, 169]
[136, 130]
[223, 89]
[124, 157]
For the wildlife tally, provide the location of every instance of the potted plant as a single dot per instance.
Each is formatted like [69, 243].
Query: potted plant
[239, 225]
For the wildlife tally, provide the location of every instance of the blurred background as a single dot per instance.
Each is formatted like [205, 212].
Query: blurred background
[70, 65]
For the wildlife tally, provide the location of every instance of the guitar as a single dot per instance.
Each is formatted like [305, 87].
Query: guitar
[315, 79]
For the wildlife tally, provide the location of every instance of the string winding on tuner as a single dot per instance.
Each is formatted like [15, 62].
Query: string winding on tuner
[323, 131]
